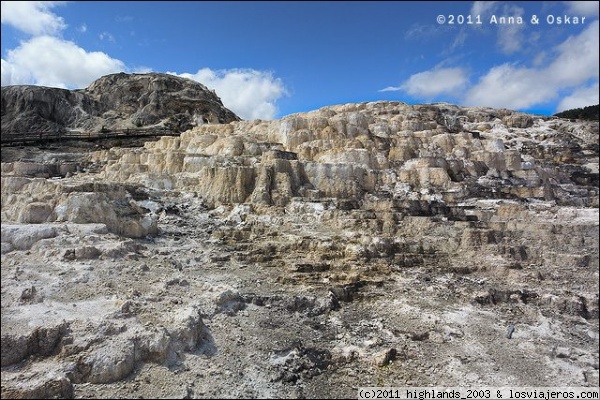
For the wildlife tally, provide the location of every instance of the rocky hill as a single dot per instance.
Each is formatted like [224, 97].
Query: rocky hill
[117, 101]
[372, 244]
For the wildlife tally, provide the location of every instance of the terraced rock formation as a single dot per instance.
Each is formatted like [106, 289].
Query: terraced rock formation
[372, 244]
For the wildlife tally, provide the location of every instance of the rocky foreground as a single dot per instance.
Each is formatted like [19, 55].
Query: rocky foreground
[374, 244]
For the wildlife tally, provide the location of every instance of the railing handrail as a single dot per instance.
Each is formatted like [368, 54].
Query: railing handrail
[40, 136]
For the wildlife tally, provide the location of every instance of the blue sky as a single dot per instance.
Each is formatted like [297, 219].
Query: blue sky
[270, 59]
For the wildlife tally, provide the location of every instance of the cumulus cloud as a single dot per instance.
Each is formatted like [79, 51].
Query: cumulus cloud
[513, 86]
[32, 17]
[249, 93]
[582, 97]
[46, 59]
[435, 82]
[49, 61]
[510, 86]
[577, 59]
[12, 75]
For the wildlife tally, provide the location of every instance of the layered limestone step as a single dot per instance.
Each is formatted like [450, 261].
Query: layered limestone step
[37, 201]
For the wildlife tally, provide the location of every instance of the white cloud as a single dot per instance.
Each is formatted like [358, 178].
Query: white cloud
[577, 60]
[49, 61]
[107, 36]
[510, 87]
[249, 93]
[515, 87]
[391, 89]
[12, 75]
[509, 35]
[32, 17]
[142, 70]
[582, 97]
[428, 84]
[46, 59]
[483, 8]
[583, 8]
[123, 18]
[419, 31]
[570, 67]
[458, 42]
[540, 59]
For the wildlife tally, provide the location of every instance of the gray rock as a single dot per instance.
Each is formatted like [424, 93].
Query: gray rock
[111, 362]
[117, 101]
[38, 386]
[510, 331]
[42, 340]
[383, 358]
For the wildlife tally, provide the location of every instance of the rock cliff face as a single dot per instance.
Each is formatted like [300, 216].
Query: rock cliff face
[117, 101]
[372, 244]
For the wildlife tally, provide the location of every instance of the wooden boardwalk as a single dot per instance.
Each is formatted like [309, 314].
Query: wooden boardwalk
[25, 138]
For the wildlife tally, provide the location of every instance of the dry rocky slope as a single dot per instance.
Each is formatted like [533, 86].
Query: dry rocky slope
[113, 102]
[373, 244]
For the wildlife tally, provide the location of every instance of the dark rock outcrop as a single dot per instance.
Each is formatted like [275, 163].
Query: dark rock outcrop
[113, 102]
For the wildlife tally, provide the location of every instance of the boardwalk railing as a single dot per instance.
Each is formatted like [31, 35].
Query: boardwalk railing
[22, 138]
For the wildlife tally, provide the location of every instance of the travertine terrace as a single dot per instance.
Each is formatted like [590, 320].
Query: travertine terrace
[371, 244]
